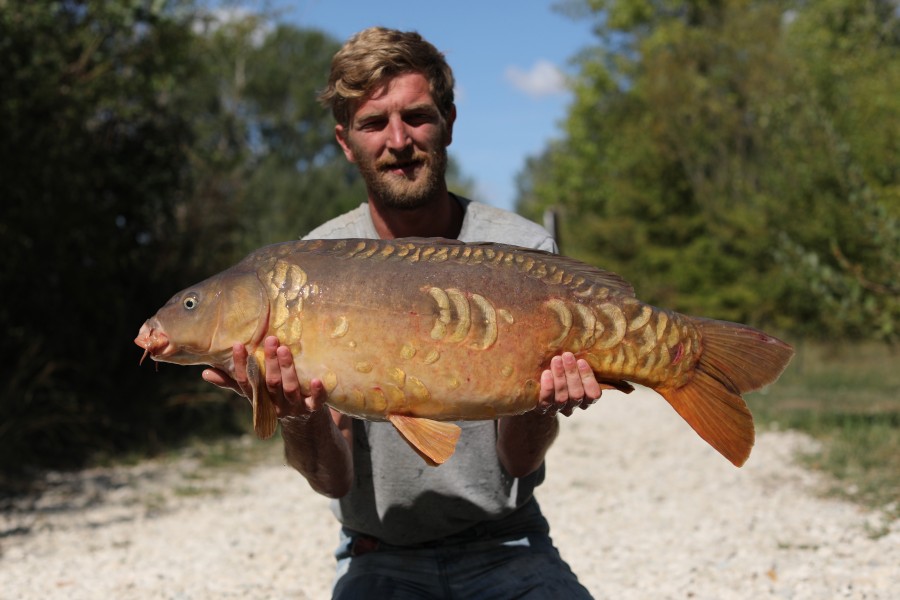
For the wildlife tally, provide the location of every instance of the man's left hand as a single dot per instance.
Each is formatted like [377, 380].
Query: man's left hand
[567, 384]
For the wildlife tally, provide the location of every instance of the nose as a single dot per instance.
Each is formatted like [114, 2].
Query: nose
[398, 136]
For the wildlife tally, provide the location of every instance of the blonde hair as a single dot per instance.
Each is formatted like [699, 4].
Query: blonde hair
[371, 57]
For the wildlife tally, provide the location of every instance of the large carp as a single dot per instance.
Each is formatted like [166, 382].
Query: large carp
[424, 331]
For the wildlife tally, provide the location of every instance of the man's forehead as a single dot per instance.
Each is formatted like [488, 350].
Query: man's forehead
[416, 90]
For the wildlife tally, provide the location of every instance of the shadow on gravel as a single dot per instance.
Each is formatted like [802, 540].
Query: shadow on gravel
[26, 505]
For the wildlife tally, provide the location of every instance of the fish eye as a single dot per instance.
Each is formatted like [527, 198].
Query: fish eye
[191, 301]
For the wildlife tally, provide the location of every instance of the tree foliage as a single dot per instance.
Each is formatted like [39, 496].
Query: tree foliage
[266, 134]
[735, 159]
[140, 150]
[92, 143]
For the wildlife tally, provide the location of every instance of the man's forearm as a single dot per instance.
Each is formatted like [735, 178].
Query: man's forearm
[523, 441]
[316, 447]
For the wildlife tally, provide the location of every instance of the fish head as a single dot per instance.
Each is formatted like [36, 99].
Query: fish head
[200, 324]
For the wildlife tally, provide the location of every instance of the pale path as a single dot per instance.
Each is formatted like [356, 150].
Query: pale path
[638, 504]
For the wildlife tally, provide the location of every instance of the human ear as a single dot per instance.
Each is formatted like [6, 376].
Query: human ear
[451, 118]
[340, 134]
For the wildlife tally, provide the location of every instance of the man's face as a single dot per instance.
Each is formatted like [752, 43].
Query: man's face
[398, 140]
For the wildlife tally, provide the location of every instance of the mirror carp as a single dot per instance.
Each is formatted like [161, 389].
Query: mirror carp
[422, 332]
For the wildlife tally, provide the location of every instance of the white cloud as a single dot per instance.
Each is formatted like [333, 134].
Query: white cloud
[543, 79]
[459, 94]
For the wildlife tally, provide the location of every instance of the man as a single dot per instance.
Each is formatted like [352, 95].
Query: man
[471, 527]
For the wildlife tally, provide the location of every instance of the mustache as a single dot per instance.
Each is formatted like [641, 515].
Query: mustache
[402, 161]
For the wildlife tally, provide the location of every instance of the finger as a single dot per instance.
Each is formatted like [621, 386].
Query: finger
[592, 390]
[221, 379]
[560, 385]
[573, 377]
[317, 395]
[290, 383]
[545, 397]
[273, 370]
[239, 356]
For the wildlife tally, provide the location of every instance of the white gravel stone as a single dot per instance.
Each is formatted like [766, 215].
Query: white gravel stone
[639, 506]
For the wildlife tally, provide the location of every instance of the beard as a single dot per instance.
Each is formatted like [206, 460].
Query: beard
[405, 192]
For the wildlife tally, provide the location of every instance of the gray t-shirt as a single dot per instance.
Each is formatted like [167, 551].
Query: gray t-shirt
[395, 496]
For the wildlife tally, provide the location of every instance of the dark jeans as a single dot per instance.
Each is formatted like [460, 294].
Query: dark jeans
[524, 566]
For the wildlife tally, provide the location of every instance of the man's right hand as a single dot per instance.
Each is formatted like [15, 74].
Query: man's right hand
[281, 380]
[317, 443]
[284, 385]
[239, 383]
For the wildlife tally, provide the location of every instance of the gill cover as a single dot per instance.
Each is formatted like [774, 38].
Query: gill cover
[204, 321]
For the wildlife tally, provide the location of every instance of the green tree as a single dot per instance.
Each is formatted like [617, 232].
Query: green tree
[848, 102]
[705, 145]
[143, 146]
[92, 162]
[267, 152]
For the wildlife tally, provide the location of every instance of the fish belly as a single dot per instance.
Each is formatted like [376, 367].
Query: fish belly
[412, 355]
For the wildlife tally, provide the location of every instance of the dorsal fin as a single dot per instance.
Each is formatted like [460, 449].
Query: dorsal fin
[434, 241]
[540, 264]
[569, 265]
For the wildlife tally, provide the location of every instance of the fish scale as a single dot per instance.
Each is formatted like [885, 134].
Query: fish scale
[423, 332]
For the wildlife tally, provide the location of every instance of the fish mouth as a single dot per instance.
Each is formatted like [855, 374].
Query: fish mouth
[154, 341]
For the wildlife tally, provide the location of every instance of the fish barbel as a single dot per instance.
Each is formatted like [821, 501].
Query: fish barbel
[421, 331]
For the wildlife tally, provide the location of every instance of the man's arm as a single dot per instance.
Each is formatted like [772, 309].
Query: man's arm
[319, 446]
[318, 441]
[523, 440]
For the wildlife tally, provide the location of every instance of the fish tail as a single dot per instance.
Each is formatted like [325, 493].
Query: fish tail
[735, 359]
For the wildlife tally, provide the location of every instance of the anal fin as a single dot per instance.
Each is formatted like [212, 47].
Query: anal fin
[615, 384]
[434, 441]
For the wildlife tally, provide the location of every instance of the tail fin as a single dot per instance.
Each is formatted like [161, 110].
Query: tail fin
[735, 359]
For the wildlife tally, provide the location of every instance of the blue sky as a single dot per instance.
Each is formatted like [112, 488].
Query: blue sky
[506, 56]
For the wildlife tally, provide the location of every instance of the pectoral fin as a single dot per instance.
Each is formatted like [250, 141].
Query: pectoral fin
[264, 418]
[434, 441]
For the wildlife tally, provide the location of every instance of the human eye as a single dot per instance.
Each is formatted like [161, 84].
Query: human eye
[371, 124]
[420, 116]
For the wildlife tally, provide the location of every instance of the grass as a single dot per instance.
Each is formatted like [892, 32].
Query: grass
[848, 397]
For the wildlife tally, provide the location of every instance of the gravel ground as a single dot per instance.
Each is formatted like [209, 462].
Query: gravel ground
[639, 506]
